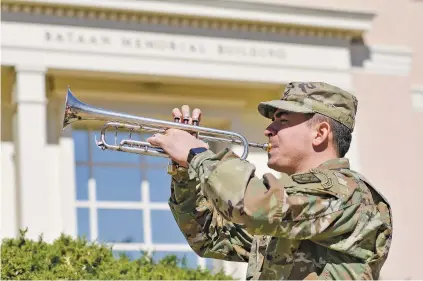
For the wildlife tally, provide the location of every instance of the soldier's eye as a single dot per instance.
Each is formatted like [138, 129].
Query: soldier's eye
[283, 121]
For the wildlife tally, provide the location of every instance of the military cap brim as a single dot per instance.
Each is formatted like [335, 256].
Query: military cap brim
[268, 108]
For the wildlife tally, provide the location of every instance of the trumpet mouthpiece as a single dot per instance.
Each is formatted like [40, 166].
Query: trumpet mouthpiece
[268, 147]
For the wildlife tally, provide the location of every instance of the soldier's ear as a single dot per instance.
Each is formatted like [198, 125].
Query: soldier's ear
[321, 133]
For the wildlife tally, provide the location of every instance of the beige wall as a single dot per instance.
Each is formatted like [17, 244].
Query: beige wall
[392, 159]
[391, 133]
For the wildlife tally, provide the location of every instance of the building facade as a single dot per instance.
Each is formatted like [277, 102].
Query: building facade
[146, 57]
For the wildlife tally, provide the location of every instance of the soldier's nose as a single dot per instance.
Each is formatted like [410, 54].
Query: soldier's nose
[268, 133]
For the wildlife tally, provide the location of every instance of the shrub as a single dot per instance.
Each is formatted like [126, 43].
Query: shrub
[76, 259]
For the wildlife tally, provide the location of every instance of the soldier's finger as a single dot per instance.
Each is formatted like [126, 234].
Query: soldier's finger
[176, 113]
[185, 114]
[189, 121]
[196, 117]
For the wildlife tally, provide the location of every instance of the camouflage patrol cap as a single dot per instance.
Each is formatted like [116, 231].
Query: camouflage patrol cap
[314, 97]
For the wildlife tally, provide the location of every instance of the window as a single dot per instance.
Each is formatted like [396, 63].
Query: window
[122, 200]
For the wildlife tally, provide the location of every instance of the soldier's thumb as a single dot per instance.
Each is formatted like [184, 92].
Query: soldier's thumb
[270, 180]
[156, 139]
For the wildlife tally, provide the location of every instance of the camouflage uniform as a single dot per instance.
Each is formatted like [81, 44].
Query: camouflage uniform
[326, 223]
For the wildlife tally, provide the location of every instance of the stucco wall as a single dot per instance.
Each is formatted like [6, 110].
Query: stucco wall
[390, 157]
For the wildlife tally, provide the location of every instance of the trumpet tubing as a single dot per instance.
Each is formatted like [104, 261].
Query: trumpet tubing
[75, 110]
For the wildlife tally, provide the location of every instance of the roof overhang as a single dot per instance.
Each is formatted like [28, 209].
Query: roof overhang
[233, 15]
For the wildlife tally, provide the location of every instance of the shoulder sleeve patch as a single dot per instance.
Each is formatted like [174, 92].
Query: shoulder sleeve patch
[325, 178]
[306, 178]
[336, 182]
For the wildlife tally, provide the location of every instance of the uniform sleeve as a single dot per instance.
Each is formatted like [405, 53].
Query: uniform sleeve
[205, 230]
[281, 207]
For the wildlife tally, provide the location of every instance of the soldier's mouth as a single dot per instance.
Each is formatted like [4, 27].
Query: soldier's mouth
[272, 147]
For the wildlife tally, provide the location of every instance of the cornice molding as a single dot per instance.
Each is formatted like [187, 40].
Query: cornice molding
[262, 18]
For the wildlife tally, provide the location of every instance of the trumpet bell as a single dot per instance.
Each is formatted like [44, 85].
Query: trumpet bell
[72, 105]
[76, 110]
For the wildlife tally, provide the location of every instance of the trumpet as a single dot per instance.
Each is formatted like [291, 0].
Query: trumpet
[75, 110]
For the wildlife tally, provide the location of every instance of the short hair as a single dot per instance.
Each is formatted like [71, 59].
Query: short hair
[342, 135]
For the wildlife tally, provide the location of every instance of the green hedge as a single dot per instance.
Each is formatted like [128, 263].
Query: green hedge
[68, 258]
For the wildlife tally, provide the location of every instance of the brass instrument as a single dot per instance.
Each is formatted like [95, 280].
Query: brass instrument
[75, 110]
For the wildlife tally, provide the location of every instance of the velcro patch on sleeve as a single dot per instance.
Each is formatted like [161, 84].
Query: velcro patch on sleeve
[306, 178]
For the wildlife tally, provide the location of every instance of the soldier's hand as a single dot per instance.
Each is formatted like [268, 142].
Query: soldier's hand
[184, 115]
[177, 144]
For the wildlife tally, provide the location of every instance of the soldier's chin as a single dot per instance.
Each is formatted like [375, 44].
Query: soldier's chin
[271, 163]
[274, 164]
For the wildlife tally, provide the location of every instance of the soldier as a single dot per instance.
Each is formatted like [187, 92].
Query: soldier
[319, 220]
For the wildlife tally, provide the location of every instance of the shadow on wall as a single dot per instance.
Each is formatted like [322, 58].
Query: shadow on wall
[359, 52]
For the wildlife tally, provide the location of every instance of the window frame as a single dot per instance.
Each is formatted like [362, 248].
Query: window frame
[145, 205]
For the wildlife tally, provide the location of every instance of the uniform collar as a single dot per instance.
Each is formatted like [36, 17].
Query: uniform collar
[335, 164]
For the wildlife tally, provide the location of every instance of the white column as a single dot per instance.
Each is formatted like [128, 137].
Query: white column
[67, 184]
[30, 142]
[53, 180]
